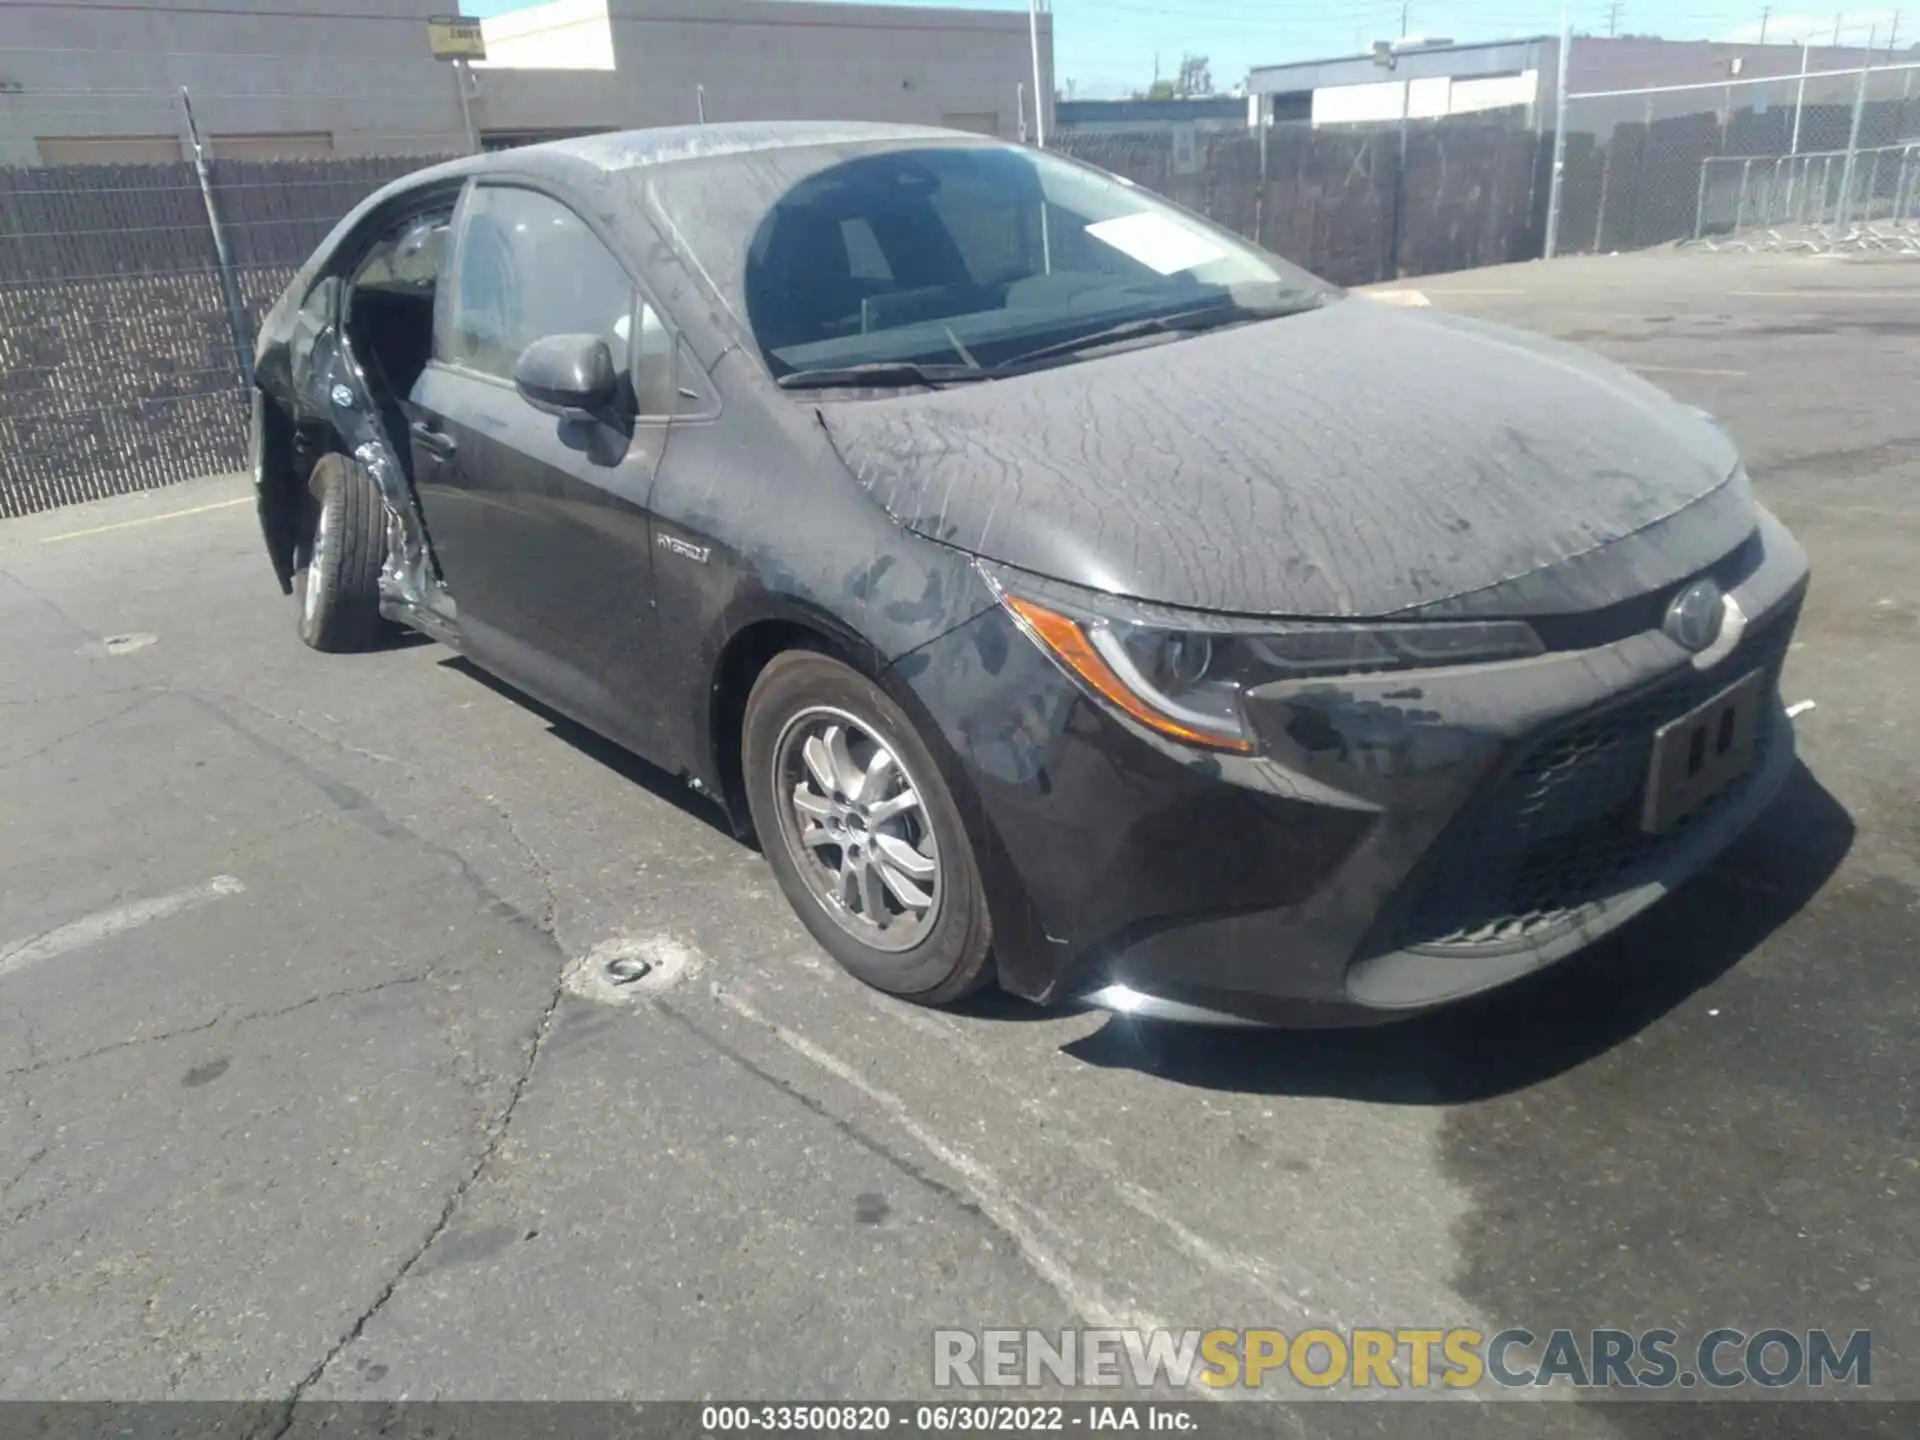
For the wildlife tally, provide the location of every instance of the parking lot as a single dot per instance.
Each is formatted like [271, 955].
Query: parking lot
[302, 1097]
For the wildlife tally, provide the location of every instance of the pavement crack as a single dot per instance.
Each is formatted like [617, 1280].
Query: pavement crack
[306, 729]
[352, 992]
[57, 1061]
[550, 910]
[348, 799]
[541, 873]
[917, 1173]
[78, 731]
[496, 1136]
[34, 594]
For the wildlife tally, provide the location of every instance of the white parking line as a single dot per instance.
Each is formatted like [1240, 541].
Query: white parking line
[1682, 370]
[50, 943]
[145, 520]
[985, 1188]
[1913, 294]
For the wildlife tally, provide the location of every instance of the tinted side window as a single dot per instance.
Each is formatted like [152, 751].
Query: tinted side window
[530, 267]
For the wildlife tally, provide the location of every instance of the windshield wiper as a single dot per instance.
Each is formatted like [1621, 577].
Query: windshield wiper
[1206, 317]
[879, 373]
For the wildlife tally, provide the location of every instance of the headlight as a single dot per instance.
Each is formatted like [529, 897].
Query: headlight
[1187, 684]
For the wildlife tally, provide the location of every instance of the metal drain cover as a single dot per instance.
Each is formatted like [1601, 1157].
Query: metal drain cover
[625, 969]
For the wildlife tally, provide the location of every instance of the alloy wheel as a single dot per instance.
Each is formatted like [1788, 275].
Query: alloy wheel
[853, 821]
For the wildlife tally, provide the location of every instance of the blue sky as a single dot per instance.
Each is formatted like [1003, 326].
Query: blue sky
[1107, 47]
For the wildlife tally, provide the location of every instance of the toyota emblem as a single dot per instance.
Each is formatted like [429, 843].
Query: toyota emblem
[1693, 619]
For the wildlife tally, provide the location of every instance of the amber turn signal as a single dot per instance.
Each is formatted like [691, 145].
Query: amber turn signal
[1066, 640]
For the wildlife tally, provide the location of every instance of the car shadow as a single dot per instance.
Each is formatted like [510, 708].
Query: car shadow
[617, 758]
[399, 637]
[1004, 1007]
[1538, 1027]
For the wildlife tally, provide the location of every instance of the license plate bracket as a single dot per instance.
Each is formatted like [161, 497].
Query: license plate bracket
[1702, 752]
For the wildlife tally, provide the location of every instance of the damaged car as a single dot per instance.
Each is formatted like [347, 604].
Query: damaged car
[1065, 592]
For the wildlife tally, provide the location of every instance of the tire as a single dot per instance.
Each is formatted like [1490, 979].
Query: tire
[343, 543]
[932, 956]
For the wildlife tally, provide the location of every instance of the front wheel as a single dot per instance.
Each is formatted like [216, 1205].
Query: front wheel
[862, 832]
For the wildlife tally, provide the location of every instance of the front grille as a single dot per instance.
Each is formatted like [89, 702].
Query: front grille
[1559, 833]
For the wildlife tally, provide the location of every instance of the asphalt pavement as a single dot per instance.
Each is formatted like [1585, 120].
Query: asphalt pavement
[311, 1089]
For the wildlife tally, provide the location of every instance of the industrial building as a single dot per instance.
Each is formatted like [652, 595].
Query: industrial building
[1210, 114]
[88, 80]
[1439, 79]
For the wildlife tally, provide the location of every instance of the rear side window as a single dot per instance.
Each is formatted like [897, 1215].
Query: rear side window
[529, 268]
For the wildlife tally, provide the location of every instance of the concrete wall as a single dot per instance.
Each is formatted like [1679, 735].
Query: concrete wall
[100, 79]
[779, 59]
[359, 76]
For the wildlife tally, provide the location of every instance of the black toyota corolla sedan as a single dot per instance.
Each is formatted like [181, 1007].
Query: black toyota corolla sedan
[1064, 591]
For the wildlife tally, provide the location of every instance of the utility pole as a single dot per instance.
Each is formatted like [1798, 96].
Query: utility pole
[1766, 14]
[1836, 26]
[1404, 22]
[1613, 20]
[1559, 129]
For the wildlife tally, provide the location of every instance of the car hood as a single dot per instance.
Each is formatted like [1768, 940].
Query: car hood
[1354, 460]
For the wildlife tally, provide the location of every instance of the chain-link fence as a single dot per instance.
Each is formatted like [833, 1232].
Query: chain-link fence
[1355, 204]
[1868, 198]
[1825, 160]
[118, 369]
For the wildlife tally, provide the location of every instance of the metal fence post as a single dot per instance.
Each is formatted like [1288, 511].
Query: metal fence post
[1842, 215]
[463, 84]
[1800, 94]
[1263, 110]
[1559, 130]
[1700, 199]
[1740, 201]
[1039, 94]
[229, 288]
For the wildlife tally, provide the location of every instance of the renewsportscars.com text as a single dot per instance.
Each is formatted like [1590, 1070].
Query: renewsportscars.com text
[1366, 1358]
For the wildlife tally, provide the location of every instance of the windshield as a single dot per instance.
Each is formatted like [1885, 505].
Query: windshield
[970, 255]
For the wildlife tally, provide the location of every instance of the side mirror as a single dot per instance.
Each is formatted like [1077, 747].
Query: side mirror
[570, 376]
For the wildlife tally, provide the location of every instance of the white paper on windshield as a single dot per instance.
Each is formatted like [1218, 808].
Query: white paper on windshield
[1157, 242]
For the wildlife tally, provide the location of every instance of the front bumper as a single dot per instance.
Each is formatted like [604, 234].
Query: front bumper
[1402, 840]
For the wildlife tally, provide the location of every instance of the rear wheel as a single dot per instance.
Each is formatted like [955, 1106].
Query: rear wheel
[336, 576]
[862, 832]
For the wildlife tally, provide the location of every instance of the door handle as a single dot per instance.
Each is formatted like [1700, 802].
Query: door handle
[436, 443]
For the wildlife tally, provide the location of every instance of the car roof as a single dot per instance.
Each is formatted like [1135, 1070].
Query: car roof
[587, 158]
[635, 149]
